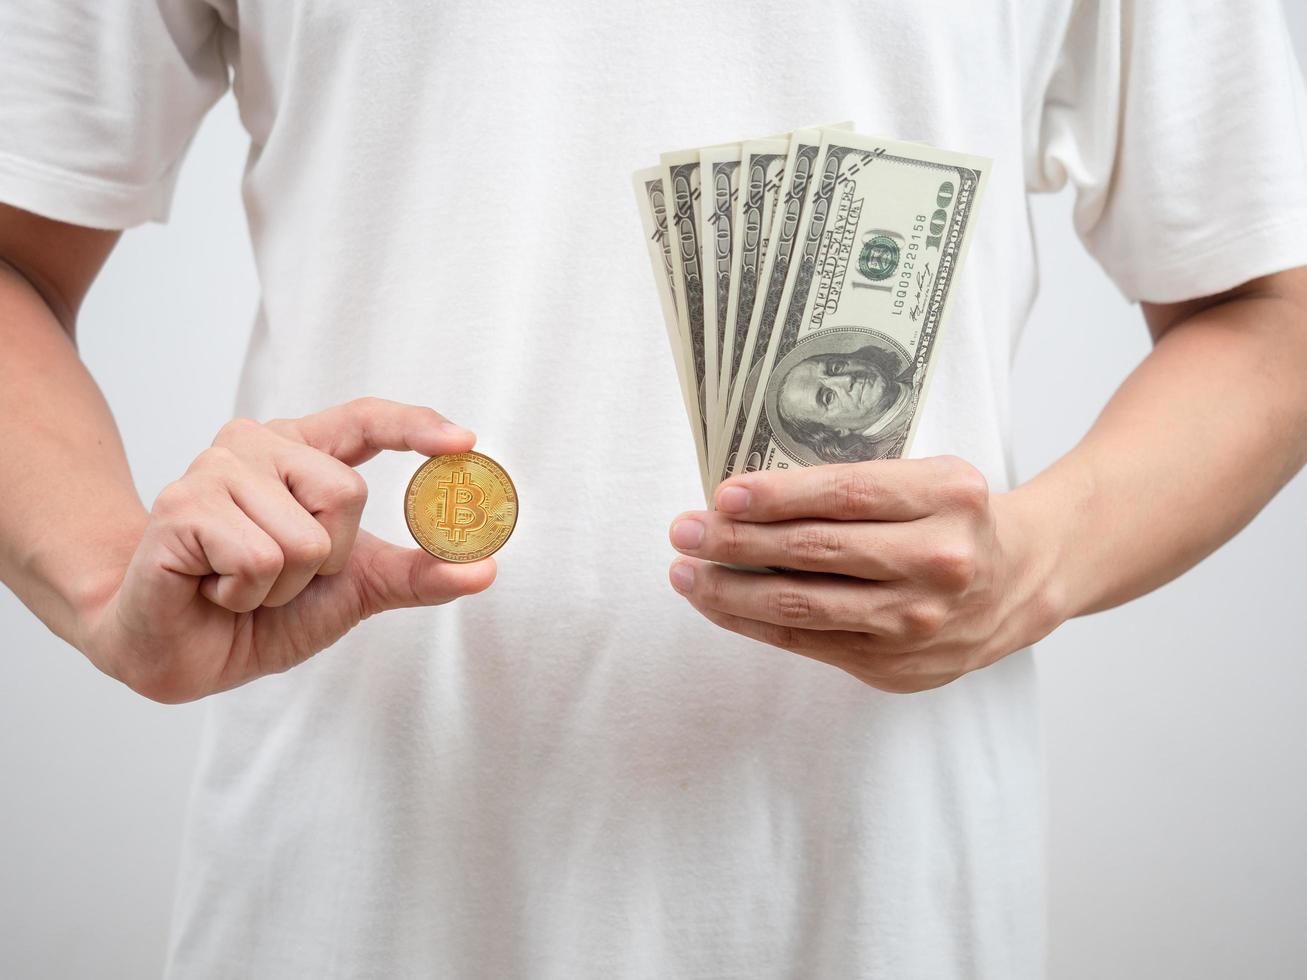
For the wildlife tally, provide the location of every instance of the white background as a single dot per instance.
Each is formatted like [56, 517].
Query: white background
[1175, 725]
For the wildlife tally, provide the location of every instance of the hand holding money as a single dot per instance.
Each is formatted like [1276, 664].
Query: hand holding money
[804, 282]
[253, 561]
[904, 575]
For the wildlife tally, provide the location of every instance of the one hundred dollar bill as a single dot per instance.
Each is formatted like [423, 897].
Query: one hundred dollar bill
[845, 368]
[762, 167]
[681, 183]
[800, 162]
[719, 169]
[652, 200]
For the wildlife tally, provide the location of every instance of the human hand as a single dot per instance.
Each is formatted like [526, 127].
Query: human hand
[907, 573]
[253, 561]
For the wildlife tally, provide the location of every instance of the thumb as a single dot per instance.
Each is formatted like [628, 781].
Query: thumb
[391, 577]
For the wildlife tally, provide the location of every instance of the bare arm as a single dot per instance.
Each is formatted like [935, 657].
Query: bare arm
[63, 475]
[248, 564]
[932, 576]
[1188, 450]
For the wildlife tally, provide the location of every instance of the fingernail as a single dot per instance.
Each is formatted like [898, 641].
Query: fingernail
[733, 500]
[457, 431]
[687, 533]
[683, 577]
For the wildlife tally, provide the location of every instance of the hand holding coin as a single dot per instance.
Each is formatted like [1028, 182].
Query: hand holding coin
[253, 560]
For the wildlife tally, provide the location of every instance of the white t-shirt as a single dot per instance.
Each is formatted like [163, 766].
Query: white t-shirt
[574, 775]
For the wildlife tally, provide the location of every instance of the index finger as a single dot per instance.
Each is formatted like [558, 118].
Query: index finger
[357, 430]
[875, 490]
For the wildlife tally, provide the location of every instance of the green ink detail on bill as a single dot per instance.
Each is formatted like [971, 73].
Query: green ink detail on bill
[879, 258]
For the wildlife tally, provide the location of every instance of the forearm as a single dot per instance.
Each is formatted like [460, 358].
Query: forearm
[71, 514]
[1195, 442]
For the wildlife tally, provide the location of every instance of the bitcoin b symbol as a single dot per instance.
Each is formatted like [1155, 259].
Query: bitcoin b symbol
[461, 506]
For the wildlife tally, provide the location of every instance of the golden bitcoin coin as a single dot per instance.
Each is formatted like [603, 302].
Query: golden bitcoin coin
[461, 507]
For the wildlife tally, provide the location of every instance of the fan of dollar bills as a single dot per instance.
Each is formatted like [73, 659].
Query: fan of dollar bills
[803, 281]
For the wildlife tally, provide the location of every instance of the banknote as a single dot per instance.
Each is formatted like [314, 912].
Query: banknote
[843, 372]
[800, 162]
[681, 183]
[719, 169]
[651, 199]
[804, 280]
[762, 167]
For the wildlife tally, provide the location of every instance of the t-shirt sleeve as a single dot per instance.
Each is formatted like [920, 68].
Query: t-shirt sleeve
[1182, 126]
[100, 100]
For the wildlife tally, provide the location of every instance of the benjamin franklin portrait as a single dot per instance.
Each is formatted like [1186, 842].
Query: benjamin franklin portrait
[842, 396]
